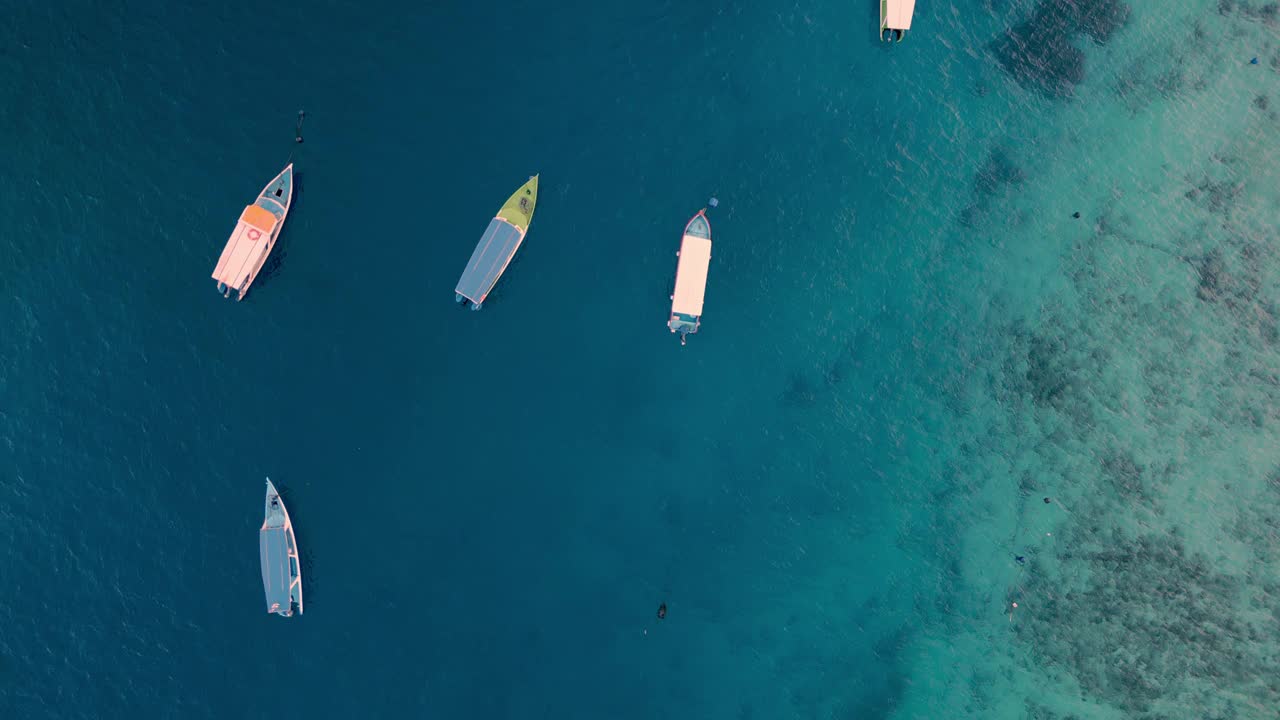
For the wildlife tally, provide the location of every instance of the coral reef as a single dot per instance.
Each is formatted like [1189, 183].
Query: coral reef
[1040, 52]
[1152, 624]
[1267, 13]
[995, 178]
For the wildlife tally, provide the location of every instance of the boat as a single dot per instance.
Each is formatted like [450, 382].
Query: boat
[691, 276]
[254, 236]
[281, 573]
[895, 18]
[497, 246]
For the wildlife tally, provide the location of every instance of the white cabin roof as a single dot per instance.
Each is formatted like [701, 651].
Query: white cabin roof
[691, 276]
[898, 14]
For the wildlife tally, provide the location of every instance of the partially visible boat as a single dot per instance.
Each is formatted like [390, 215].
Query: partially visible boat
[281, 572]
[691, 276]
[254, 236]
[497, 246]
[895, 18]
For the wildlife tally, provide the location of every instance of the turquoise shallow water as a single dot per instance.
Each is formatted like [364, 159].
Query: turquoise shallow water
[909, 342]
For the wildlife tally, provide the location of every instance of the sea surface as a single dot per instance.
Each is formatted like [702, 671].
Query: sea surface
[916, 364]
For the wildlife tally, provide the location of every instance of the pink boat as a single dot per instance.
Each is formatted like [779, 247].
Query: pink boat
[691, 276]
[254, 237]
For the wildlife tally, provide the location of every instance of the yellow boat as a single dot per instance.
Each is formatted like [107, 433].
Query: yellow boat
[497, 246]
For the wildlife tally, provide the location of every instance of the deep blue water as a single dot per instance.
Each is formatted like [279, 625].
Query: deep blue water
[490, 505]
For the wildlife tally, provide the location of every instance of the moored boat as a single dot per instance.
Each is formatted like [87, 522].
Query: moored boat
[278, 549]
[895, 18]
[691, 276]
[497, 246]
[254, 236]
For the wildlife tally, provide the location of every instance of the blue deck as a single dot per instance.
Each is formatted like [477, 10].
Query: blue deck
[282, 185]
[499, 242]
[699, 227]
[278, 551]
[277, 567]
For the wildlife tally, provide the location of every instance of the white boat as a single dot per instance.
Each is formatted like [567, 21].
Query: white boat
[281, 572]
[895, 18]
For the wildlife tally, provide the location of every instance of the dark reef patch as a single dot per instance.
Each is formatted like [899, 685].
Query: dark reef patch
[1125, 476]
[1218, 196]
[1036, 711]
[1099, 19]
[1040, 53]
[799, 392]
[1049, 370]
[1058, 377]
[1212, 277]
[1267, 13]
[997, 176]
[999, 171]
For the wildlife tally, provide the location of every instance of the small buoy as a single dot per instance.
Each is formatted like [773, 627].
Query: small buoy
[1076, 214]
[1253, 61]
[1046, 501]
[1015, 605]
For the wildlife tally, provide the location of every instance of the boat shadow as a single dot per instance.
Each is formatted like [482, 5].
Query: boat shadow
[275, 262]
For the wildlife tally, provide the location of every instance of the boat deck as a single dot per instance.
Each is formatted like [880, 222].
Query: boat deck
[492, 255]
[276, 545]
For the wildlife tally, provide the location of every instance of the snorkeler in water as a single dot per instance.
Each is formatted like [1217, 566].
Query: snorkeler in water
[662, 611]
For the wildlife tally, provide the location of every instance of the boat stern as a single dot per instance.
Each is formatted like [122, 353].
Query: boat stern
[684, 324]
[895, 19]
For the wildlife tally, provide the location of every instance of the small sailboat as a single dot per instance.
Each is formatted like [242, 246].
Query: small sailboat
[691, 276]
[895, 18]
[281, 573]
[254, 236]
[497, 246]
